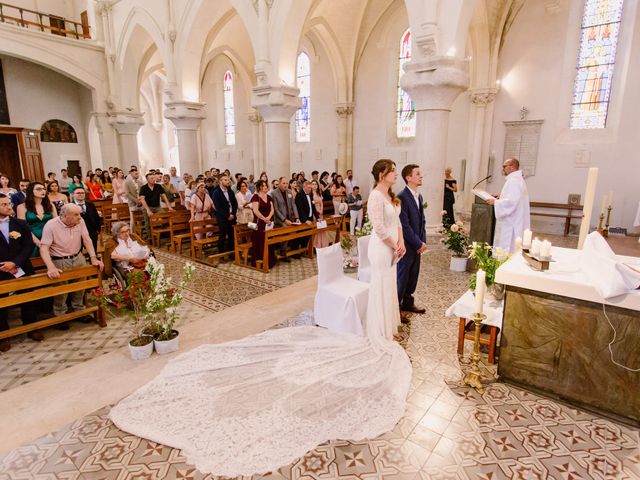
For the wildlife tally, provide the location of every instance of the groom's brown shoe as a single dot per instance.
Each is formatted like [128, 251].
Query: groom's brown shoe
[413, 309]
[404, 318]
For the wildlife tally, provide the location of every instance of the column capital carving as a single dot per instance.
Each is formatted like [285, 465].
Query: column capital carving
[104, 6]
[345, 109]
[254, 117]
[185, 115]
[276, 104]
[435, 82]
[481, 97]
[126, 122]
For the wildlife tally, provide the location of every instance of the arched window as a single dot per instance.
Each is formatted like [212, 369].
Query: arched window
[405, 113]
[303, 115]
[229, 112]
[596, 61]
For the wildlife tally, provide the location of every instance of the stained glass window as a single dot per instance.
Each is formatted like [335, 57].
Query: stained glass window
[229, 112]
[596, 60]
[303, 115]
[405, 113]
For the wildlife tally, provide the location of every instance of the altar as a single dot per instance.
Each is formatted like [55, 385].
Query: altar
[556, 335]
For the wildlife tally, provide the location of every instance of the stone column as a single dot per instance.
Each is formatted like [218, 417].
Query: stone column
[276, 105]
[481, 115]
[433, 83]
[187, 116]
[257, 142]
[345, 137]
[105, 153]
[127, 125]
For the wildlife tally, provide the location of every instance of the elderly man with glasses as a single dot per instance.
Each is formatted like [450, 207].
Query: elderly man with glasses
[512, 207]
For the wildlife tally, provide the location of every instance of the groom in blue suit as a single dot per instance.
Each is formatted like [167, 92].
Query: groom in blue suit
[415, 236]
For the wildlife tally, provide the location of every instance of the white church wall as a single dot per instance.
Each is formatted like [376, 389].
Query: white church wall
[322, 151]
[537, 68]
[36, 94]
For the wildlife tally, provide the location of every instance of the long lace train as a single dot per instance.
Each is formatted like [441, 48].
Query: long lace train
[253, 405]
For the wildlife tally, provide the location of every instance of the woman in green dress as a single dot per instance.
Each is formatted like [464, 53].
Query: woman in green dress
[77, 182]
[36, 210]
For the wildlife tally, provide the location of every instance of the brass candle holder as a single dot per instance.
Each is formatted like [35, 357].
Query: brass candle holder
[605, 232]
[473, 377]
[600, 229]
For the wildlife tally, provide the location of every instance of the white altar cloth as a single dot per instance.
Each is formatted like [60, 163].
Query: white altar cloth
[563, 278]
[464, 307]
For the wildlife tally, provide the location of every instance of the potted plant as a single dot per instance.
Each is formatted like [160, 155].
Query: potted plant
[456, 239]
[488, 259]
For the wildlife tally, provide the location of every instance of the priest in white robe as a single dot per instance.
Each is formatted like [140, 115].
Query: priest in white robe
[512, 208]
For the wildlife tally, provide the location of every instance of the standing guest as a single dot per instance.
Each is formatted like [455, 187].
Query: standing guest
[51, 177]
[19, 197]
[55, 196]
[92, 220]
[64, 181]
[286, 211]
[132, 186]
[305, 206]
[186, 178]
[5, 186]
[62, 242]
[324, 187]
[251, 184]
[338, 192]
[264, 177]
[16, 246]
[263, 211]
[106, 184]
[274, 187]
[450, 187]
[243, 197]
[354, 200]
[36, 211]
[151, 195]
[226, 206]
[201, 205]
[210, 186]
[190, 191]
[174, 178]
[315, 176]
[88, 177]
[119, 190]
[321, 239]
[415, 237]
[77, 182]
[169, 190]
[99, 172]
[349, 183]
[512, 208]
[295, 188]
[238, 177]
[93, 188]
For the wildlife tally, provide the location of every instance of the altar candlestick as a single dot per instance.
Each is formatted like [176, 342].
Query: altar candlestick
[535, 247]
[518, 245]
[526, 241]
[480, 288]
[590, 191]
[605, 199]
[610, 199]
[545, 249]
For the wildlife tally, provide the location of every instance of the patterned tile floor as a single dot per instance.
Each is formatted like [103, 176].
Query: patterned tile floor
[448, 431]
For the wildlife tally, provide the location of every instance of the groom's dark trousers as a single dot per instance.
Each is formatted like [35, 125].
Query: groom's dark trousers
[414, 233]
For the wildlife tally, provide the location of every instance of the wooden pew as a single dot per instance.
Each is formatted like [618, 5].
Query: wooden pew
[180, 231]
[567, 215]
[113, 213]
[41, 286]
[209, 229]
[243, 242]
[160, 224]
[138, 222]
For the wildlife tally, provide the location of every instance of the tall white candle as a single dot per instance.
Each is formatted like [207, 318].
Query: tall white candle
[535, 247]
[517, 245]
[592, 181]
[605, 199]
[545, 249]
[610, 199]
[526, 241]
[481, 286]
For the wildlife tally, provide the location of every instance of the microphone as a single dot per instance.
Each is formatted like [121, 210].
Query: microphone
[485, 178]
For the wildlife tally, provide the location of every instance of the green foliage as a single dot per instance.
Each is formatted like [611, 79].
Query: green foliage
[366, 229]
[454, 236]
[487, 259]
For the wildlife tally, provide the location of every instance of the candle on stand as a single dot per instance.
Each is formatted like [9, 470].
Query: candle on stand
[480, 288]
[545, 249]
[518, 245]
[526, 241]
[590, 191]
[610, 199]
[605, 204]
[535, 247]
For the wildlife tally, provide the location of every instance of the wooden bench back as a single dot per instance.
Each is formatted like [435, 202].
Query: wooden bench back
[41, 286]
[118, 212]
[203, 227]
[563, 206]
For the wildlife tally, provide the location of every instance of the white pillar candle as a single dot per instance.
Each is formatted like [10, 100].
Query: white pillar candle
[610, 199]
[526, 241]
[518, 245]
[535, 247]
[590, 191]
[605, 199]
[545, 249]
[480, 289]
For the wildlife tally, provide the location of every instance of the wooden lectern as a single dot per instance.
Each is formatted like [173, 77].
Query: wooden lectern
[483, 221]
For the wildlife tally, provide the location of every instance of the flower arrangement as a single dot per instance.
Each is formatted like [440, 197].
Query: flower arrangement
[148, 300]
[454, 236]
[366, 228]
[487, 259]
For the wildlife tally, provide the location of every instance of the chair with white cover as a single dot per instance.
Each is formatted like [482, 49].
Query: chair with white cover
[364, 266]
[341, 302]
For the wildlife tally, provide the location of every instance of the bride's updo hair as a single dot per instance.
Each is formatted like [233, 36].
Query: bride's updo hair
[380, 169]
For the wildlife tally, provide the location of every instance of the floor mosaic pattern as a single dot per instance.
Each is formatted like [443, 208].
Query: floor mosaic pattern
[448, 431]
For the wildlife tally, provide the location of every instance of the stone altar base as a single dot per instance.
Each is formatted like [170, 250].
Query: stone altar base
[559, 346]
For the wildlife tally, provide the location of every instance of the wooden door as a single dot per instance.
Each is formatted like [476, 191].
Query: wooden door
[31, 155]
[10, 158]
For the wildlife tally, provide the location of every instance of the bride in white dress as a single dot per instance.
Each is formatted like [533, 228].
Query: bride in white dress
[256, 404]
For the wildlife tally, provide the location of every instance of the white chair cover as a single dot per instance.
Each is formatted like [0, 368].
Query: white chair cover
[341, 302]
[364, 265]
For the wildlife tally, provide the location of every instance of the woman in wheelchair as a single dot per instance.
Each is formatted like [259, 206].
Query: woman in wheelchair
[128, 254]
